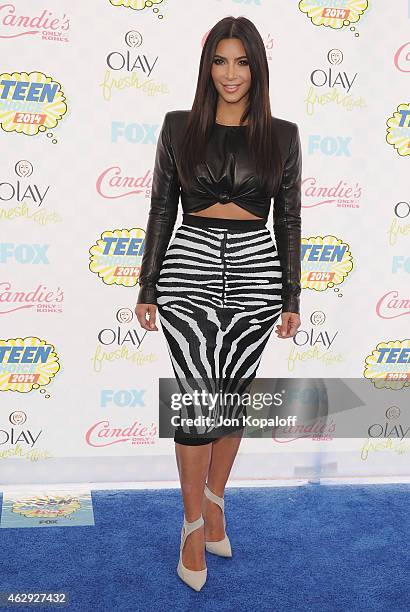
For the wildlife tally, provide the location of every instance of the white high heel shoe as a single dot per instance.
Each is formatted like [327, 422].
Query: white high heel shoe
[193, 578]
[221, 547]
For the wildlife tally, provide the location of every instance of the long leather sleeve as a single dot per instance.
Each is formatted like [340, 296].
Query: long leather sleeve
[287, 225]
[165, 192]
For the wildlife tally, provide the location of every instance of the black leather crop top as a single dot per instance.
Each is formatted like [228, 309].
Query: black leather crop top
[227, 176]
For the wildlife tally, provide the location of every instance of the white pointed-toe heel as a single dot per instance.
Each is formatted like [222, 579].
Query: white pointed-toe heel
[221, 547]
[193, 578]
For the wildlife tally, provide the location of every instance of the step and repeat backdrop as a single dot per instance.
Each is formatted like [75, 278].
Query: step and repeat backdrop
[84, 88]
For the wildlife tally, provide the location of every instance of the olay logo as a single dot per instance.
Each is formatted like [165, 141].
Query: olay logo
[22, 190]
[331, 77]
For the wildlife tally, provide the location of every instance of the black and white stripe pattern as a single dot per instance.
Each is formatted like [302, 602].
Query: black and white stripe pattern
[218, 297]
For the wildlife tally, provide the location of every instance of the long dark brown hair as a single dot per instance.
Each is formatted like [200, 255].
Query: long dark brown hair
[260, 132]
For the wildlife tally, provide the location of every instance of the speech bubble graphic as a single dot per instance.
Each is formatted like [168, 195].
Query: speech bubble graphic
[321, 14]
[388, 365]
[30, 102]
[137, 5]
[326, 262]
[116, 257]
[398, 129]
[26, 364]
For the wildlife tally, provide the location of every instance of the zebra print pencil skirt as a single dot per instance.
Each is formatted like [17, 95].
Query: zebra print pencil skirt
[218, 299]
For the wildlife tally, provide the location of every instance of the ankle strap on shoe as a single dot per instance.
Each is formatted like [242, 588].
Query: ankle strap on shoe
[215, 498]
[190, 527]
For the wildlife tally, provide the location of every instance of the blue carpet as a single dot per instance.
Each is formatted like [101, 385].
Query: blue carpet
[339, 548]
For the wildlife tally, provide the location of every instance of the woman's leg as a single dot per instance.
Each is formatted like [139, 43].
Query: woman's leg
[224, 451]
[211, 463]
[193, 463]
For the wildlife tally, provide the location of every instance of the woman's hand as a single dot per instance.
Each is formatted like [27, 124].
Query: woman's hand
[141, 310]
[290, 324]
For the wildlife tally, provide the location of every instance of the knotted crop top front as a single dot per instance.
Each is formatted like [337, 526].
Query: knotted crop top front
[228, 174]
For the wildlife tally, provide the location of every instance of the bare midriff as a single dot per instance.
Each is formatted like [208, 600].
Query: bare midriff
[230, 210]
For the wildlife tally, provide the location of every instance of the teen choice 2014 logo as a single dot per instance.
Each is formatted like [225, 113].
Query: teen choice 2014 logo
[388, 365]
[344, 14]
[47, 506]
[26, 364]
[116, 256]
[326, 262]
[398, 129]
[30, 102]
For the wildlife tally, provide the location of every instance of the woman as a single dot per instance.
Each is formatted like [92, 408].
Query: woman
[221, 285]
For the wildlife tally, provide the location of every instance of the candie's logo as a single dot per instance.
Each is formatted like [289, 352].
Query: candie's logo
[388, 366]
[102, 433]
[398, 129]
[30, 103]
[340, 194]
[26, 364]
[116, 257]
[326, 262]
[16, 22]
[346, 12]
